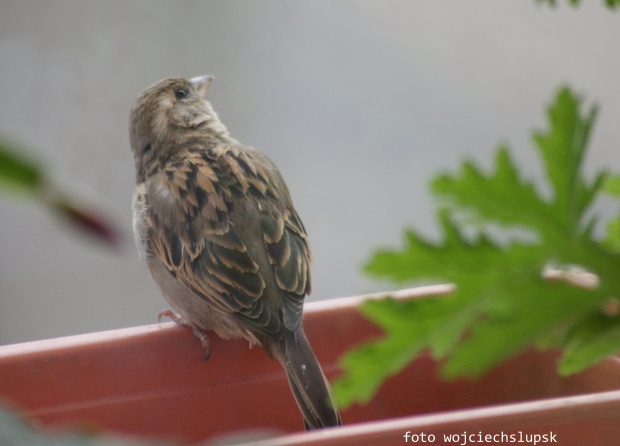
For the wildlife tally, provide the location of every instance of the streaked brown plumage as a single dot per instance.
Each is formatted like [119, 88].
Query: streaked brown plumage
[216, 227]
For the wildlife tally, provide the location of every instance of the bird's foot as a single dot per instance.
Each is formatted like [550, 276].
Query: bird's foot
[198, 332]
[204, 341]
[177, 318]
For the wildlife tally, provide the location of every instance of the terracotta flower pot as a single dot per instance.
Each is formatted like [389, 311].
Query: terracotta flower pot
[150, 381]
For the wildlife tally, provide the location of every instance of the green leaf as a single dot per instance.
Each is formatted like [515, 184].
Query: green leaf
[501, 196]
[370, 363]
[16, 169]
[503, 302]
[389, 355]
[596, 337]
[562, 148]
[422, 258]
[612, 237]
[533, 308]
[20, 173]
[611, 185]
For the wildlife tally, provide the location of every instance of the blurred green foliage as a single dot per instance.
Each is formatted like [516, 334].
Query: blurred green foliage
[16, 170]
[19, 173]
[611, 4]
[552, 285]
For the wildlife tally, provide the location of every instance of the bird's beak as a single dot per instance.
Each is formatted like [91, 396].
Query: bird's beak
[201, 85]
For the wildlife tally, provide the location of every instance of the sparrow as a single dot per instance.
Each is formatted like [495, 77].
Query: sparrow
[215, 225]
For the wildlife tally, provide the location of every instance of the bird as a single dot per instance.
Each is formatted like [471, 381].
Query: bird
[216, 227]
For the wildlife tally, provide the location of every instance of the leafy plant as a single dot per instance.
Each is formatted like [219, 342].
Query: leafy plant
[552, 284]
[19, 173]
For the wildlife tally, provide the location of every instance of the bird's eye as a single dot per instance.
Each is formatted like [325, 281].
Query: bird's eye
[180, 93]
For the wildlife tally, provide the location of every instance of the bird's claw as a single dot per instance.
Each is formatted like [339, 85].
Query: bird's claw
[199, 333]
[204, 341]
[177, 318]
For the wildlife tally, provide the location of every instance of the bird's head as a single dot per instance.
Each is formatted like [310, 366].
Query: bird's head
[168, 113]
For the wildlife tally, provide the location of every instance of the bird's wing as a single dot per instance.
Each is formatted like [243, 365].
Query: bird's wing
[221, 220]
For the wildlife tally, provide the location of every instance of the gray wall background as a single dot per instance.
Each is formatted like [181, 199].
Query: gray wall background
[357, 102]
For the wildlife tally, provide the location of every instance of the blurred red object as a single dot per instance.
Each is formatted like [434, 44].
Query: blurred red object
[150, 381]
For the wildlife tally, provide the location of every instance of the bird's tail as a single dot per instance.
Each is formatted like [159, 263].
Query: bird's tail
[308, 383]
